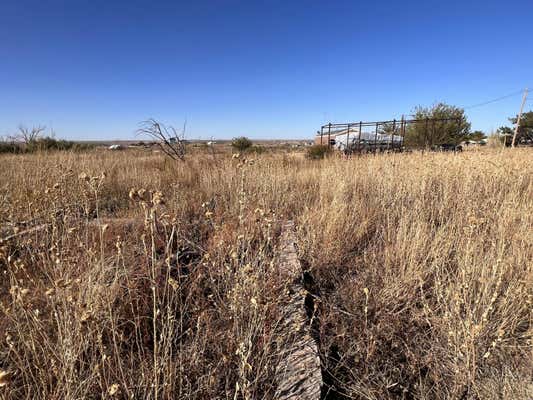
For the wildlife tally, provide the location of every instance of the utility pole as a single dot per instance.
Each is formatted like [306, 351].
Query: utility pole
[519, 117]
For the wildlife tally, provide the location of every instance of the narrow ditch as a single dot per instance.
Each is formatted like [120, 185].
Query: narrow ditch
[329, 358]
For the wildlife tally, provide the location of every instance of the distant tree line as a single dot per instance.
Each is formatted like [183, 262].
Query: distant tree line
[30, 140]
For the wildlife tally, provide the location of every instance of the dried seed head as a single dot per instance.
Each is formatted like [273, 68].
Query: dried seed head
[143, 195]
[173, 283]
[158, 198]
[113, 389]
[84, 177]
[133, 194]
[84, 316]
[18, 292]
[4, 378]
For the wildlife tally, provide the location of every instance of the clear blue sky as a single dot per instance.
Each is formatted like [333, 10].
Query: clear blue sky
[264, 69]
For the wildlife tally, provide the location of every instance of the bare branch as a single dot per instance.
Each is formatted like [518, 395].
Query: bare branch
[28, 135]
[167, 138]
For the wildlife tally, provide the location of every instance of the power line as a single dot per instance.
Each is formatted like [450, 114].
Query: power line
[494, 100]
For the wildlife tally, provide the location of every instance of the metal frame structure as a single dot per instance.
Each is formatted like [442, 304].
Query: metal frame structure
[398, 128]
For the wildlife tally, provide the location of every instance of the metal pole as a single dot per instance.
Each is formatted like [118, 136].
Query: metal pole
[322, 135]
[519, 118]
[391, 143]
[359, 138]
[348, 139]
[376, 139]
[402, 133]
[329, 135]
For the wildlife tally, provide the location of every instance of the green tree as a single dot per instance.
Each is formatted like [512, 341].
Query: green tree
[429, 131]
[476, 136]
[525, 130]
[241, 143]
[505, 134]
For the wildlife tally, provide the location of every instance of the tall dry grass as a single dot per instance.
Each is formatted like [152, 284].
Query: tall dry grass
[152, 279]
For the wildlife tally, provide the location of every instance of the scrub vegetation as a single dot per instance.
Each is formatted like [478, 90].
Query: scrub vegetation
[129, 275]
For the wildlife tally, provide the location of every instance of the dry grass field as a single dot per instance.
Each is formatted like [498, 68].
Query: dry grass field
[128, 275]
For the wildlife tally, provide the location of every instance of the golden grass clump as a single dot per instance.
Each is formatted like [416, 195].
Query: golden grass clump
[131, 276]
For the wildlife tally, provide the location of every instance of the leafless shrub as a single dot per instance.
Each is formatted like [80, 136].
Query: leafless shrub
[28, 135]
[170, 142]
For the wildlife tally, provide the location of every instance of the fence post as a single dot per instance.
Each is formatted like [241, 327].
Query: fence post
[402, 134]
[391, 143]
[359, 136]
[347, 139]
[376, 139]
